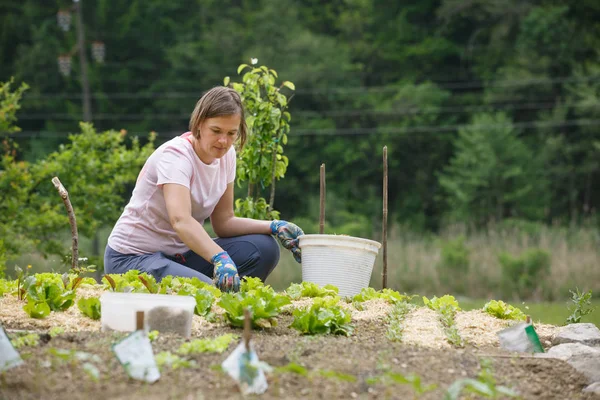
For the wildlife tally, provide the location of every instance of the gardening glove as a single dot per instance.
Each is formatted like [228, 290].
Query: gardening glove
[225, 275]
[288, 234]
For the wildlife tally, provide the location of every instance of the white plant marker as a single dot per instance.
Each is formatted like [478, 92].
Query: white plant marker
[136, 356]
[9, 357]
[244, 366]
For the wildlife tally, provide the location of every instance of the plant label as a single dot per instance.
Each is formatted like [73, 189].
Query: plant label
[135, 355]
[9, 357]
[247, 370]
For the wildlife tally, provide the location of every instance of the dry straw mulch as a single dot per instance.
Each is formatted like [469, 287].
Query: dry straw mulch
[421, 325]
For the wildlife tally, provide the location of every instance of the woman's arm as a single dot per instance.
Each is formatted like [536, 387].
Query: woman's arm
[190, 231]
[226, 224]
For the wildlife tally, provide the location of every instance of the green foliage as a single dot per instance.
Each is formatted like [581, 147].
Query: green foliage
[522, 274]
[395, 321]
[257, 209]
[261, 162]
[90, 307]
[8, 286]
[9, 105]
[55, 331]
[93, 165]
[389, 295]
[489, 176]
[260, 300]
[582, 302]
[88, 360]
[500, 309]
[324, 316]
[45, 293]
[310, 289]
[411, 379]
[485, 385]
[153, 335]
[30, 340]
[216, 345]
[454, 264]
[446, 306]
[168, 359]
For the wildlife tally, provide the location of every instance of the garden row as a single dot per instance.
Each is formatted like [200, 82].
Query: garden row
[327, 313]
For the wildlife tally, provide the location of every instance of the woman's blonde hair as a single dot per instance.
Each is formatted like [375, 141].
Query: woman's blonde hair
[219, 101]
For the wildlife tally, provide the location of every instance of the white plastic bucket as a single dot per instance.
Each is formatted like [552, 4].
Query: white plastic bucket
[343, 261]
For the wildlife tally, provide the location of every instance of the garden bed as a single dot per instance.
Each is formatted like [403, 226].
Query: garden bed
[335, 366]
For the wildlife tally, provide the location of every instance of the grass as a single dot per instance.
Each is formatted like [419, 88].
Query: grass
[554, 313]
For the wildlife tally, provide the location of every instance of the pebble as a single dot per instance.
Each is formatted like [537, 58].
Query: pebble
[463, 373]
[450, 371]
[395, 360]
[403, 365]
[305, 391]
[353, 395]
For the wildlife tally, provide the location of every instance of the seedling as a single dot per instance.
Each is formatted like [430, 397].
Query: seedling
[216, 345]
[446, 306]
[30, 340]
[583, 305]
[396, 319]
[485, 385]
[168, 359]
[414, 380]
[55, 331]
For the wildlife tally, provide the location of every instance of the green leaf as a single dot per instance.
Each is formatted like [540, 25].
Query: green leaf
[37, 309]
[241, 67]
[289, 85]
[226, 81]
[90, 307]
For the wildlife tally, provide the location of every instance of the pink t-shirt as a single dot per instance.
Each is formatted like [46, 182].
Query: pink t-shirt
[144, 226]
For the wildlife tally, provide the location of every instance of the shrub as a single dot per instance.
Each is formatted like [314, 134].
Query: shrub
[522, 274]
[454, 264]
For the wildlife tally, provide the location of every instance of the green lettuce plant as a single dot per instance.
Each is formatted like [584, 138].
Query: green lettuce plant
[261, 301]
[502, 310]
[216, 345]
[310, 289]
[90, 307]
[389, 295]
[48, 292]
[324, 316]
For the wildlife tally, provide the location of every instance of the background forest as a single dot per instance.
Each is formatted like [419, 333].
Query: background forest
[490, 111]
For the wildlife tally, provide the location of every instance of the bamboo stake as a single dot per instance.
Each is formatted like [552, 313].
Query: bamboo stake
[385, 215]
[322, 202]
[72, 221]
[247, 331]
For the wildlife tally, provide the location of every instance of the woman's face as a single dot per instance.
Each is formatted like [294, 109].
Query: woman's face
[216, 137]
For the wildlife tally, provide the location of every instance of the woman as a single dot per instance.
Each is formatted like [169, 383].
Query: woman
[186, 180]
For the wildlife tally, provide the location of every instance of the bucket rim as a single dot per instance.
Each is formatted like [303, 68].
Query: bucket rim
[346, 238]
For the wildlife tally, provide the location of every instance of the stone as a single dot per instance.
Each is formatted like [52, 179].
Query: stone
[593, 388]
[585, 359]
[584, 333]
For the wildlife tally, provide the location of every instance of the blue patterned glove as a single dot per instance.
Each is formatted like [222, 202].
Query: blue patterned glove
[288, 234]
[225, 275]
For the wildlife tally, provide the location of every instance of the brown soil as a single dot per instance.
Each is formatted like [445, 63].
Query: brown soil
[364, 355]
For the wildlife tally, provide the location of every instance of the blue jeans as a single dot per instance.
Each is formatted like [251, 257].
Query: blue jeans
[254, 255]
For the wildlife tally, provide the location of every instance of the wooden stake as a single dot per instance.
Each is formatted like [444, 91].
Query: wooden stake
[385, 215]
[65, 196]
[139, 320]
[322, 202]
[247, 330]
